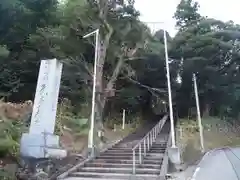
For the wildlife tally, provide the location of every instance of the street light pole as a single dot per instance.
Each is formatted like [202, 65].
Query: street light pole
[169, 91]
[91, 132]
[169, 85]
[173, 152]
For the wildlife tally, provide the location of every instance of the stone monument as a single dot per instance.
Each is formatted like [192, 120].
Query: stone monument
[41, 142]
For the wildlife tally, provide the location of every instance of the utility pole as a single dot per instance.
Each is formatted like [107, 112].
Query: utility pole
[91, 132]
[198, 113]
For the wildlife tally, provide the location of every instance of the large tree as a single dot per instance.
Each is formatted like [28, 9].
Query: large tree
[19, 19]
[187, 14]
[208, 47]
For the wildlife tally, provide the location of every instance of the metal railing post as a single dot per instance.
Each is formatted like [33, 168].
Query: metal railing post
[155, 134]
[151, 138]
[140, 154]
[144, 146]
[148, 142]
[134, 162]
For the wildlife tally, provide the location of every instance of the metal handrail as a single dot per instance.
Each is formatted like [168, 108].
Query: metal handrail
[147, 142]
[165, 162]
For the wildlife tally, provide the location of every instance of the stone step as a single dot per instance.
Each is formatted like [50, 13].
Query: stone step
[114, 157]
[109, 165]
[130, 146]
[129, 178]
[148, 157]
[159, 145]
[155, 144]
[116, 163]
[120, 170]
[155, 154]
[161, 142]
[159, 158]
[125, 176]
[123, 151]
[126, 161]
[119, 149]
[119, 153]
[157, 150]
[87, 178]
[129, 154]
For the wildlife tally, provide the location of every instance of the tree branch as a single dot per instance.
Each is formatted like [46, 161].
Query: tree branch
[135, 58]
[115, 74]
[119, 66]
[83, 64]
[151, 89]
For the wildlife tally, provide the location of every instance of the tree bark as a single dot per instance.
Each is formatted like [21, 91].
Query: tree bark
[105, 35]
[206, 111]
[106, 32]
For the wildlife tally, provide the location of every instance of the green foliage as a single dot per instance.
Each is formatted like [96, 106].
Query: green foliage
[5, 175]
[187, 14]
[48, 30]
[10, 133]
[209, 48]
[133, 64]
[68, 120]
[78, 126]
[3, 52]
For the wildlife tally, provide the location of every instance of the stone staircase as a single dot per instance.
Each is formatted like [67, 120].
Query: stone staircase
[117, 162]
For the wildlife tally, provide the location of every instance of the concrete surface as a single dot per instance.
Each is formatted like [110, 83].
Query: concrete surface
[184, 175]
[219, 164]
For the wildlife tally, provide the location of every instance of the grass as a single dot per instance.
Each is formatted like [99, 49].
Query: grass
[217, 133]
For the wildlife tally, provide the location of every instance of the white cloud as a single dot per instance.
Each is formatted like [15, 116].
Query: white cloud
[163, 10]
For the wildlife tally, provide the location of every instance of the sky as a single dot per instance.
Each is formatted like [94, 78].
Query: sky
[163, 11]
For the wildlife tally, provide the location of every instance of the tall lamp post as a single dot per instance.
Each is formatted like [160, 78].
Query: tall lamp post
[173, 152]
[169, 84]
[91, 132]
[169, 91]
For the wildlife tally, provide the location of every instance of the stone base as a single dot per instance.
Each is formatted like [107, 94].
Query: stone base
[174, 155]
[41, 146]
[92, 152]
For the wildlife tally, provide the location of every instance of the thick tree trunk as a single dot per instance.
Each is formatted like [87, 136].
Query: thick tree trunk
[102, 88]
[100, 95]
[206, 111]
